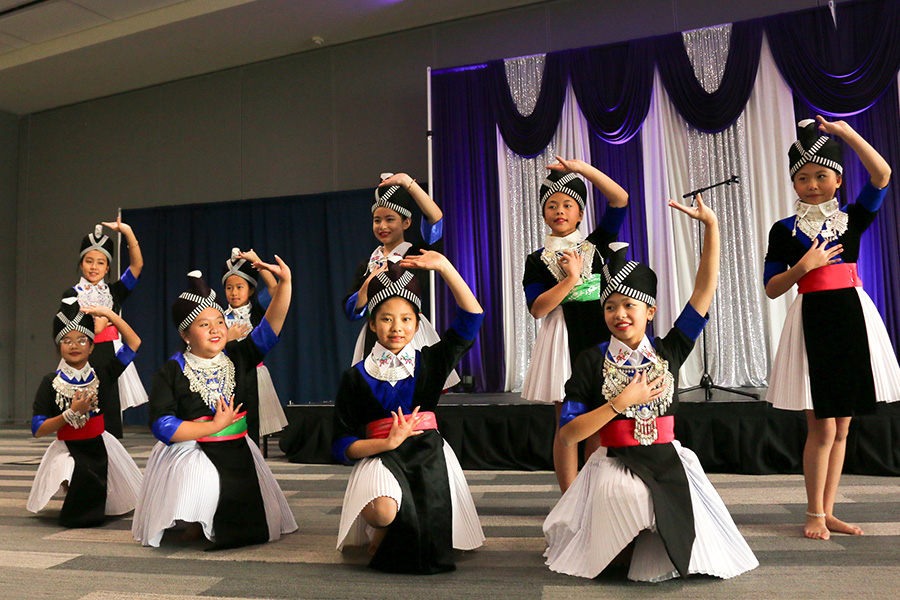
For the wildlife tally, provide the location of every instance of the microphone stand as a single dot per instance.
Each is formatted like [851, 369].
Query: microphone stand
[706, 381]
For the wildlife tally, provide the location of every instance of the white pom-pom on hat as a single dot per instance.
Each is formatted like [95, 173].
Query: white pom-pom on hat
[70, 301]
[197, 274]
[805, 122]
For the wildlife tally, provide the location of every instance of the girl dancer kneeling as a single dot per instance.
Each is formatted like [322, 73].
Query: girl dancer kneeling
[407, 485]
[98, 474]
[648, 501]
[205, 470]
[834, 359]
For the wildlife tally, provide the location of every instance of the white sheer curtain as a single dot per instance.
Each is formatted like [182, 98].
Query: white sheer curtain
[678, 158]
[522, 224]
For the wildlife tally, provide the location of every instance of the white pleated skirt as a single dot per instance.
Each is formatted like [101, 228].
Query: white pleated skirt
[608, 506]
[131, 390]
[271, 414]
[182, 484]
[789, 383]
[123, 477]
[426, 335]
[370, 479]
[550, 365]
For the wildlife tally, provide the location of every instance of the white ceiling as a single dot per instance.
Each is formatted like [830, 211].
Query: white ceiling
[58, 52]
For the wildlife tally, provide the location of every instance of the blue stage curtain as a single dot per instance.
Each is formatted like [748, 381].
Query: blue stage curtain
[843, 69]
[467, 189]
[322, 237]
[715, 111]
[528, 136]
[613, 85]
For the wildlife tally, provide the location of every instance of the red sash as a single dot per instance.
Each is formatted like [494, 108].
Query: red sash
[109, 334]
[94, 427]
[830, 277]
[381, 428]
[620, 432]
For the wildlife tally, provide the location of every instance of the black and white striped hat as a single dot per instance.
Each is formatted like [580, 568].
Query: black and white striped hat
[633, 279]
[97, 241]
[240, 267]
[567, 183]
[395, 197]
[396, 281]
[70, 318]
[194, 301]
[810, 147]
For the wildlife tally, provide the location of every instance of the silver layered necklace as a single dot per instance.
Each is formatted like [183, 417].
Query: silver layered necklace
[212, 378]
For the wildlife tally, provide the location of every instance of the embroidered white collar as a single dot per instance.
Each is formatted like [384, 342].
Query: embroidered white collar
[93, 294]
[378, 257]
[384, 365]
[622, 355]
[241, 313]
[76, 376]
[825, 219]
[557, 244]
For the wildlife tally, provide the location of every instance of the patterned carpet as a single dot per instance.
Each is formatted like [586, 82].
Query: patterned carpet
[38, 559]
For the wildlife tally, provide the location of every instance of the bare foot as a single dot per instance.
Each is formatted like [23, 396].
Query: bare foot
[193, 532]
[377, 537]
[816, 529]
[836, 525]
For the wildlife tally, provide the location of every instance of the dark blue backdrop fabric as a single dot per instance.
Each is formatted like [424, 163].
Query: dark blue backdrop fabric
[322, 237]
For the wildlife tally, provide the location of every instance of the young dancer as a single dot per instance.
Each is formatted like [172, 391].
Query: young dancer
[94, 470]
[246, 309]
[205, 470]
[562, 286]
[406, 484]
[395, 197]
[834, 359]
[648, 501]
[92, 290]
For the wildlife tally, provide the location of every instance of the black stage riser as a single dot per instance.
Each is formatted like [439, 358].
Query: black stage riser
[729, 437]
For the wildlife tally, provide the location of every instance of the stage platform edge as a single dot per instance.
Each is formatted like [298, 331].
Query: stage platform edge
[504, 432]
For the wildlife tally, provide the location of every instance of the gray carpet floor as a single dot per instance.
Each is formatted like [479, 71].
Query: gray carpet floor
[38, 559]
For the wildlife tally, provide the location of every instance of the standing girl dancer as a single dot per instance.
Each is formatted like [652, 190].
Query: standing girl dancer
[395, 197]
[246, 309]
[92, 290]
[562, 286]
[647, 501]
[834, 359]
[407, 485]
[204, 470]
[95, 470]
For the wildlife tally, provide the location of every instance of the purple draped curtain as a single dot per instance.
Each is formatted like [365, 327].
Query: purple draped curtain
[528, 136]
[613, 85]
[466, 187]
[715, 111]
[843, 69]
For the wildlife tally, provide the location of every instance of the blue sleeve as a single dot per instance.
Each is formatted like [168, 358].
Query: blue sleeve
[263, 297]
[339, 449]
[164, 428]
[870, 197]
[126, 354]
[690, 322]
[570, 410]
[771, 269]
[612, 218]
[532, 292]
[36, 422]
[350, 308]
[432, 233]
[467, 324]
[129, 279]
[263, 336]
